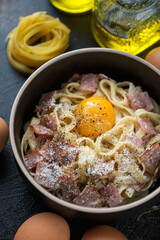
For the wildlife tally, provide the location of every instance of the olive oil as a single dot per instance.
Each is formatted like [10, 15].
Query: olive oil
[130, 28]
[72, 6]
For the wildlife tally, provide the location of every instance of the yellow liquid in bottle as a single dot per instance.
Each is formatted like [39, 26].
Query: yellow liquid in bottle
[72, 6]
[127, 36]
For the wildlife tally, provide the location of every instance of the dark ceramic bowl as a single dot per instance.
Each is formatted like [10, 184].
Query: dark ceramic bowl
[118, 65]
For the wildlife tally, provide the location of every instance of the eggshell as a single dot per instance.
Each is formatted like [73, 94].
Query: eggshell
[44, 226]
[4, 134]
[103, 232]
[154, 57]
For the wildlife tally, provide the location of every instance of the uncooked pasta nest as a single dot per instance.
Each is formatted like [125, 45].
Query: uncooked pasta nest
[37, 39]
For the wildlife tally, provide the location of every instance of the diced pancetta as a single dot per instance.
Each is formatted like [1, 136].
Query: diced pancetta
[42, 130]
[50, 122]
[47, 174]
[46, 102]
[137, 187]
[68, 151]
[146, 99]
[50, 152]
[32, 159]
[89, 197]
[147, 126]
[139, 100]
[151, 155]
[62, 152]
[40, 140]
[89, 82]
[133, 138]
[69, 188]
[111, 195]
[135, 99]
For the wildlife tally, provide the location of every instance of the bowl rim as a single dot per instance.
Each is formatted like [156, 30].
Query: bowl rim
[20, 163]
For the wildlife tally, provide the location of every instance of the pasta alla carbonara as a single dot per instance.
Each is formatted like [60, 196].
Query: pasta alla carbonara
[37, 38]
[95, 142]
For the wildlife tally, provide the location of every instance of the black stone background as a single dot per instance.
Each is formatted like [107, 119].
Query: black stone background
[17, 203]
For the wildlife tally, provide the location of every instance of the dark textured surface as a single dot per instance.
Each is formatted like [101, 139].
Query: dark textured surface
[17, 203]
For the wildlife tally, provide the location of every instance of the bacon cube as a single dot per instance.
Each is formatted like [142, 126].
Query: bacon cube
[42, 130]
[68, 186]
[61, 152]
[89, 82]
[46, 102]
[89, 197]
[32, 158]
[111, 195]
[151, 155]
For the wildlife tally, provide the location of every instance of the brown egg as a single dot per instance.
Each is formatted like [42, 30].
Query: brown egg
[4, 134]
[154, 57]
[44, 226]
[103, 232]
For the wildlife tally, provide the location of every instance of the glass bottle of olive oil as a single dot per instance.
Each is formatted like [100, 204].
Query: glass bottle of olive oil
[128, 25]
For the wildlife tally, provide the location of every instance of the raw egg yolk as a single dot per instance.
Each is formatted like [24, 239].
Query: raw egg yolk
[95, 115]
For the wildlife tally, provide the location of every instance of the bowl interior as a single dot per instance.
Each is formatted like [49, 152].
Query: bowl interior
[118, 65]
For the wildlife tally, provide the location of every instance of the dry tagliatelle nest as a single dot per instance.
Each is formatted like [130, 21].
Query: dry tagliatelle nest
[36, 39]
